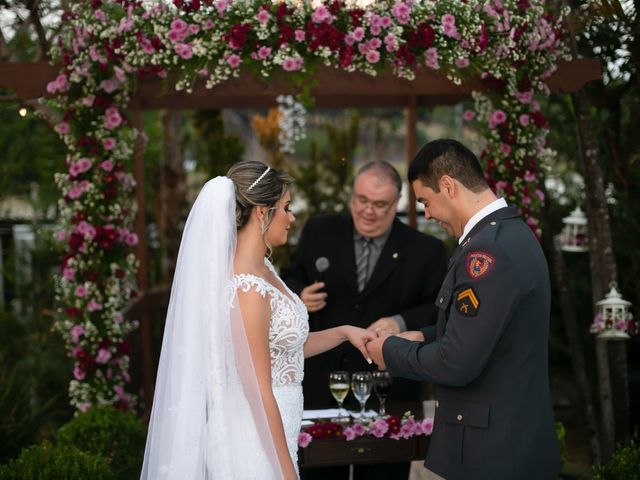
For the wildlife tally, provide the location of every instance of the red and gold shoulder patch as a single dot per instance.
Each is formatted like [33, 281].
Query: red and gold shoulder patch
[479, 264]
[467, 302]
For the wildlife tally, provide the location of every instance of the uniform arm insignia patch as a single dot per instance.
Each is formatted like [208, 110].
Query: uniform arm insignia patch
[467, 302]
[479, 264]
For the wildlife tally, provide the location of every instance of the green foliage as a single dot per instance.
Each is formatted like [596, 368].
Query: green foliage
[31, 152]
[561, 434]
[325, 180]
[214, 149]
[56, 462]
[624, 465]
[33, 379]
[117, 436]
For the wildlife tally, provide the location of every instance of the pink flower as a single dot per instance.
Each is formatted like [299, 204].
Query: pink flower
[233, 60]
[183, 50]
[524, 97]
[81, 291]
[94, 306]
[349, 434]
[496, 118]
[60, 84]
[505, 149]
[118, 318]
[372, 56]
[125, 25]
[119, 73]
[61, 235]
[320, 15]
[304, 439]
[462, 62]
[264, 52]
[385, 21]
[263, 16]
[203, 72]
[112, 118]
[125, 376]
[448, 19]
[103, 356]
[359, 429]
[468, 115]
[99, 14]
[62, 128]
[379, 428]
[193, 29]
[540, 195]
[83, 165]
[501, 185]
[78, 373]
[108, 143]
[179, 25]
[221, 5]
[86, 229]
[427, 425]
[292, 64]
[358, 34]
[68, 273]
[76, 331]
[299, 35]
[525, 200]
[109, 85]
[431, 58]
[208, 24]
[401, 11]
[74, 192]
[131, 239]
[450, 30]
[88, 100]
[524, 119]
[84, 406]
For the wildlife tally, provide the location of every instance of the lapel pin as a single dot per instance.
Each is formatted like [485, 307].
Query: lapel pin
[395, 255]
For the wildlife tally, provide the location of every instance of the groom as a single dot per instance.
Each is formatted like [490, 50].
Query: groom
[487, 354]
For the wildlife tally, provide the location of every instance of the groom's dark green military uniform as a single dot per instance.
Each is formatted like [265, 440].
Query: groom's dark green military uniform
[488, 358]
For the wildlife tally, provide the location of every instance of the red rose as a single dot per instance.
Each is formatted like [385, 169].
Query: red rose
[539, 119]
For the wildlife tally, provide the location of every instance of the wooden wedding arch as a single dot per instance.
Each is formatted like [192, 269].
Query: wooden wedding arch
[333, 88]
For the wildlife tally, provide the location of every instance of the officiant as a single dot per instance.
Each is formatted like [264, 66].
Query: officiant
[371, 270]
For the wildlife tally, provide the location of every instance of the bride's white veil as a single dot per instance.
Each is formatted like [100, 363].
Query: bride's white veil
[208, 420]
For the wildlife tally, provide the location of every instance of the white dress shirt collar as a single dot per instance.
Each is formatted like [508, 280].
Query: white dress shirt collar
[473, 221]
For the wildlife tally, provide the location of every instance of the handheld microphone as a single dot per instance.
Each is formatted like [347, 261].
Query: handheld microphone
[322, 265]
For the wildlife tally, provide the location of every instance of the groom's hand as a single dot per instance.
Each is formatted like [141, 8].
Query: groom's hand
[374, 349]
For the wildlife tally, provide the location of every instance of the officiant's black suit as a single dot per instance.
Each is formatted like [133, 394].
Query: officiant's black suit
[405, 281]
[488, 358]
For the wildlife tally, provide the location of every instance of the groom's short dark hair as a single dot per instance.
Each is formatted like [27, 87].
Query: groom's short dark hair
[447, 157]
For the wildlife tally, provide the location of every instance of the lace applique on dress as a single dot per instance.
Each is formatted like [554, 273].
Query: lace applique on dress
[288, 329]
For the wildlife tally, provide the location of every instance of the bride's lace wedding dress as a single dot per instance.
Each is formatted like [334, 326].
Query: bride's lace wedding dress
[288, 332]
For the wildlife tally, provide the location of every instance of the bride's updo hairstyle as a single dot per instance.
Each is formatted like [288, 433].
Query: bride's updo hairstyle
[257, 187]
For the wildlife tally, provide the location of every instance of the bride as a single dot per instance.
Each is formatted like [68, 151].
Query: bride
[228, 399]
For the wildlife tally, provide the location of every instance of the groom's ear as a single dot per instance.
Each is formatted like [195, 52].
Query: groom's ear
[447, 185]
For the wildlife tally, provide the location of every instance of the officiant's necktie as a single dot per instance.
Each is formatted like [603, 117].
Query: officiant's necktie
[362, 263]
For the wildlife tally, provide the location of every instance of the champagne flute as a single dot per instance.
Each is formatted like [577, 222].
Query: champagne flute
[339, 387]
[361, 383]
[381, 385]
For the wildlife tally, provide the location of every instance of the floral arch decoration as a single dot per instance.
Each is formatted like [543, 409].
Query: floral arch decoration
[106, 45]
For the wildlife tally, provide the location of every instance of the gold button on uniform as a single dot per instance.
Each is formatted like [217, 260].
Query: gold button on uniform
[459, 417]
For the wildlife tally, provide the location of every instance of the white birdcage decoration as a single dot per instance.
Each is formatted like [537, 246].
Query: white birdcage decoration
[574, 233]
[613, 320]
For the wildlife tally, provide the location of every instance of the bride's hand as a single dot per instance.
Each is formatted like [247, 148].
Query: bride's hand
[359, 337]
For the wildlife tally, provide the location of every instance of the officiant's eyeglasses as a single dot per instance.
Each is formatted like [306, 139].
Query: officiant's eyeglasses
[379, 206]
